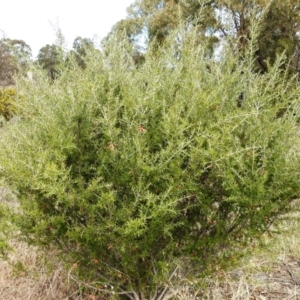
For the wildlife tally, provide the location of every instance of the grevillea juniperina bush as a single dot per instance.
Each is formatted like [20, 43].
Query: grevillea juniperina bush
[147, 174]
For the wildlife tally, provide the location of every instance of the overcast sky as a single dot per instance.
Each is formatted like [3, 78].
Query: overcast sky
[34, 21]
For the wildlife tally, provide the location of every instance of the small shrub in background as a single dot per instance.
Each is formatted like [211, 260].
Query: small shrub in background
[9, 103]
[146, 175]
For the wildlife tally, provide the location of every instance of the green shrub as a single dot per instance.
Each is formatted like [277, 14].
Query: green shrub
[136, 172]
[8, 103]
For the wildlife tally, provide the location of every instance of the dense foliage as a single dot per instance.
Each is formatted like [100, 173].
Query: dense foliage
[138, 172]
[9, 103]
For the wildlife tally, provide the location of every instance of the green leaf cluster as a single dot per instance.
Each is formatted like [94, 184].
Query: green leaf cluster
[9, 103]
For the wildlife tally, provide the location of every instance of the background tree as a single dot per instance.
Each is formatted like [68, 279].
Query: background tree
[49, 59]
[229, 21]
[7, 68]
[153, 20]
[279, 25]
[18, 49]
[14, 57]
[80, 48]
[279, 33]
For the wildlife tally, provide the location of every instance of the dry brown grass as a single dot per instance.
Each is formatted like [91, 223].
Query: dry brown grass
[270, 270]
[24, 277]
[31, 275]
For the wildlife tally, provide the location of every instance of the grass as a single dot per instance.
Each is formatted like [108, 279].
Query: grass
[268, 270]
[25, 277]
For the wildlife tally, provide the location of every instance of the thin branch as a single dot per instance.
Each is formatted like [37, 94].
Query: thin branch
[161, 297]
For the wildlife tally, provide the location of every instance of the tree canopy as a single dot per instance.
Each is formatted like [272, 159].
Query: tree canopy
[80, 48]
[228, 21]
[154, 19]
[14, 57]
[49, 59]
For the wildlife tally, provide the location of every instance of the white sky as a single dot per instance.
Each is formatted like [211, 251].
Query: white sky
[30, 20]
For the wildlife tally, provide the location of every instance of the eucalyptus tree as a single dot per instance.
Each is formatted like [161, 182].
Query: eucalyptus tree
[14, 58]
[49, 58]
[80, 48]
[226, 21]
[279, 27]
[153, 20]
